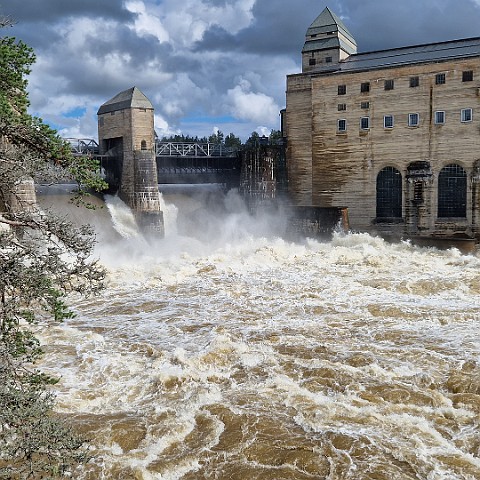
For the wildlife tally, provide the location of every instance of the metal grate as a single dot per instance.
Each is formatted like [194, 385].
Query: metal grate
[389, 193]
[452, 192]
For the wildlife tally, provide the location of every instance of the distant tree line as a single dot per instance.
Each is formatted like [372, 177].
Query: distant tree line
[229, 141]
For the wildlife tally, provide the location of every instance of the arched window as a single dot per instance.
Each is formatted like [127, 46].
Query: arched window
[143, 145]
[389, 193]
[452, 192]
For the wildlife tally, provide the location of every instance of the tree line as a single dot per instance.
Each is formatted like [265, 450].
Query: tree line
[229, 141]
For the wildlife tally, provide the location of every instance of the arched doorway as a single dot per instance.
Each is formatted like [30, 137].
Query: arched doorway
[452, 192]
[389, 193]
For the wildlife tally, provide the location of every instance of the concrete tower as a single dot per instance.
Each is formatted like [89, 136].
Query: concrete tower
[327, 42]
[126, 133]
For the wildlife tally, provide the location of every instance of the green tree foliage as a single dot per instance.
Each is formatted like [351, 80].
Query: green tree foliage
[275, 137]
[42, 260]
[216, 138]
[253, 141]
[232, 141]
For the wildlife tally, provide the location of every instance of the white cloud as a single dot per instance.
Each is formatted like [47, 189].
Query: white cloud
[188, 20]
[146, 23]
[251, 106]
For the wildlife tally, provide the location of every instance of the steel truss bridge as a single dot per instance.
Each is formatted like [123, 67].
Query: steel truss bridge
[178, 162]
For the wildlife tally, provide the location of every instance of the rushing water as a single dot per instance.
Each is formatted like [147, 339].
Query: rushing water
[248, 357]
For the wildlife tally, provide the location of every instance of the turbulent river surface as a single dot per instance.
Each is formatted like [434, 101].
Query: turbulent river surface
[235, 354]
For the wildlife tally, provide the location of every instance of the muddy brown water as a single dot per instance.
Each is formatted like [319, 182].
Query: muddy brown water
[249, 357]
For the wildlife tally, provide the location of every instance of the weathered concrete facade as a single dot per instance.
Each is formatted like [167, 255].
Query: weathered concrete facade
[393, 135]
[126, 132]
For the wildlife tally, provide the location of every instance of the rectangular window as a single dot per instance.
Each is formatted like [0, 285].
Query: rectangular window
[342, 107]
[439, 78]
[389, 84]
[466, 115]
[365, 123]
[467, 76]
[414, 82]
[342, 89]
[388, 121]
[365, 87]
[365, 105]
[342, 125]
[439, 118]
[328, 59]
[312, 61]
[413, 119]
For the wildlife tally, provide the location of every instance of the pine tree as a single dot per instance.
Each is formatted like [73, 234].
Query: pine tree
[43, 259]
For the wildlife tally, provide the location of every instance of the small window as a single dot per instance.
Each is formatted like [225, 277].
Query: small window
[440, 79]
[112, 113]
[365, 123]
[388, 121]
[328, 59]
[466, 115]
[467, 76]
[143, 145]
[389, 84]
[342, 125]
[413, 119]
[365, 105]
[365, 87]
[342, 107]
[312, 61]
[342, 89]
[414, 82]
[439, 118]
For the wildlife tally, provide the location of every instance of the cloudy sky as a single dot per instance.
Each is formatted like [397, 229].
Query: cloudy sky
[204, 64]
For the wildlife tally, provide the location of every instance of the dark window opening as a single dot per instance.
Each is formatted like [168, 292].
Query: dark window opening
[328, 59]
[143, 145]
[439, 117]
[342, 107]
[388, 121]
[389, 84]
[365, 105]
[342, 125]
[365, 123]
[389, 193]
[342, 89]
[312, 61]
[414, 82]
[466, 115]
[365, 87]
[413, 119]
[440, 79]
[467, 76]
[452, 192]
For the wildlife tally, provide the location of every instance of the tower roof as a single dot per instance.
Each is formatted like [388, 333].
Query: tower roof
[326, 22]
[131, 98]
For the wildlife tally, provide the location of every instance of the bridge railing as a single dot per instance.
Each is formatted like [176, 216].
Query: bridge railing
[83, 146]
[179, 149]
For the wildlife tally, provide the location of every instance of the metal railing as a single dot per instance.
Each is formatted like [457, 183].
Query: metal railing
[179, 149]
[83, 146]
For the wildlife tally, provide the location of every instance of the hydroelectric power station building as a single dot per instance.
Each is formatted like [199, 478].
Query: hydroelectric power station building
[393, 135]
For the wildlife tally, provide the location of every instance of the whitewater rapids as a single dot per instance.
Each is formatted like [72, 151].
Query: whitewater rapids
[256, 358]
